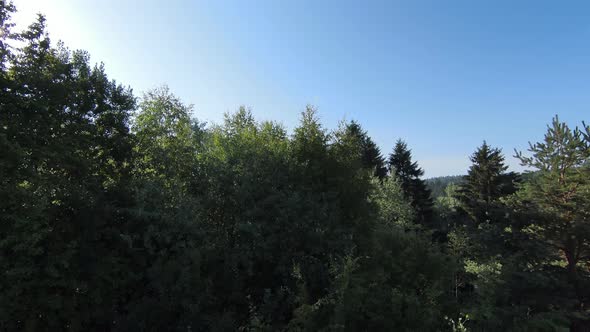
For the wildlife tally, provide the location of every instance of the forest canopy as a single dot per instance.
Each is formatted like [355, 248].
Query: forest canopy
[125, 213]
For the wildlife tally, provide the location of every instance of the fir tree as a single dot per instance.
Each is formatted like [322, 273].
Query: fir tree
[370, 154]
[485, 182]
[409, 174]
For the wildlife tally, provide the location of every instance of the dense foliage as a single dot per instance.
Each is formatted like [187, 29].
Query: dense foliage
[438, 185]
[414, 187]
[121, 213]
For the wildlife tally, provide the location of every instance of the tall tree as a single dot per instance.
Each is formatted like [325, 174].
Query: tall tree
[409, 174]
[65, 128]
[485, 182]
[370, 154]
[165, 149]
[384, 284]
[561, 192]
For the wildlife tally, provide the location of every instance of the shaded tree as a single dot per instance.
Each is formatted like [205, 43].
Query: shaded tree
[370, 154]
[560, 192]
[125, 216]
[409, 174]
[66, 193]
[485, 183]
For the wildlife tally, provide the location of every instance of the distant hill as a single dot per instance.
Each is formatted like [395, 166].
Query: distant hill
[437, 185]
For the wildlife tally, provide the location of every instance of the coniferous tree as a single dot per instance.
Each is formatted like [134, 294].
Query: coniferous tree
[409, 174]
[485, 183]
[560, 191]
[370, 153]
[117, 220]
[542, 247]
[438, 185]
[365, 151]
[480, 227]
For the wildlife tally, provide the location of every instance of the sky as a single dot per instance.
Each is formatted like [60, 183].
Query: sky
[441, 75]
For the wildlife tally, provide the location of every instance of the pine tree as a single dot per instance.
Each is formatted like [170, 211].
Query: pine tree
[561, 190]
[409, 174]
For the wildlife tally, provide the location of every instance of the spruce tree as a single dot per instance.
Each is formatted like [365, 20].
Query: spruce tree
[372, 158]
[370, 154]
[409, 174]
[485, 182]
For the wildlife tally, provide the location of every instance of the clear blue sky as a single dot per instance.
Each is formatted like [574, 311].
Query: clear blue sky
[442, 75]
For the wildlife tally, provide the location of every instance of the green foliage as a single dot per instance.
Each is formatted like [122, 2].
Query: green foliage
[370, 154]
[384, 290]
[560, 193]
[438, 185]
[409, 174]
[65, 188]
[125, 216]
[392, 205]
[459, 325]
[485, 183]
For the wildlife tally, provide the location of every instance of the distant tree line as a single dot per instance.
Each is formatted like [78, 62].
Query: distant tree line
[120, 213]
[438, 185]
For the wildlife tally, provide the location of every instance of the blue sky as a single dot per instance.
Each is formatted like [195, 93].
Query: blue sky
[442, 75]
